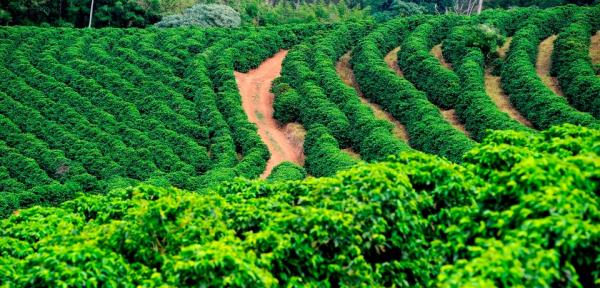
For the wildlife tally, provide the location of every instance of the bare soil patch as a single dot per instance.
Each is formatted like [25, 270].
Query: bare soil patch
[392, 61]
[257, 101]
[352, 153]
[450, 116]
[493, 88]
[595, 48]
[504, 48]
[345, 72]
[437, 52]
[543, 64]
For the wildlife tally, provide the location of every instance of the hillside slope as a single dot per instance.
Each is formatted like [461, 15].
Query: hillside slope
[519, 200]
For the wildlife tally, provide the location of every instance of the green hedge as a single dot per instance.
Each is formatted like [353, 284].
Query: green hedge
[427, 129]
[323, 154]
[423, 69]
[370, 137]
[287, 171]
[519, 79]
[573, 67]
[468, 48]
[415, 220]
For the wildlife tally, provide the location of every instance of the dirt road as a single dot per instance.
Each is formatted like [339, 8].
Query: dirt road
[257, 101]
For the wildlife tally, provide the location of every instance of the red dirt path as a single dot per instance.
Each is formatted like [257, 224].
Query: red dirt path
[257, 101]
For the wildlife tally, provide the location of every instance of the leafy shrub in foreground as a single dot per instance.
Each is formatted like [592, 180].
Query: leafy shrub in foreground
[415, 220]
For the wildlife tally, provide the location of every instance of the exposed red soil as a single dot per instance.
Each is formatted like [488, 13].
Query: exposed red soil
[344, 70]
[257, 101]
[543, 64]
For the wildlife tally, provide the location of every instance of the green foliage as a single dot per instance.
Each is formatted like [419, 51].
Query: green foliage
[287, 171]
[400, 8]
[112, 13]
[264, 13]
[519, 78]
[323, 154]
[427, 129]
[423, 69]
[520, 200]
[539, 3]
[573, 67]
[123, 106]
[469, 47]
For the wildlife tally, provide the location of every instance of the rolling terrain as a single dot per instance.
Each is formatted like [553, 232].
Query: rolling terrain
[435, 151]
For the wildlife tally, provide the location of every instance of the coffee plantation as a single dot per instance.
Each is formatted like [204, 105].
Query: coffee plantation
[128, 157]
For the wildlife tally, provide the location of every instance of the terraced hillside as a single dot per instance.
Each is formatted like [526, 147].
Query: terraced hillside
[87, 110]
[109, 124]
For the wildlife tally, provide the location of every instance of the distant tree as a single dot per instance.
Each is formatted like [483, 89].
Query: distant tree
[167, 7]
[404, 8]
[466, 7]
[204, 15]
[539, 3]
[116, 13]
[400, 8]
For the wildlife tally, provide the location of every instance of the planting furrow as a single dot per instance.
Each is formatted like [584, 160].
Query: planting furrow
[543, 64]
[352, 153]
[450, 116]
[437, 52]
[344, 70]
[493, 87]
[595, 48]
[392, 61]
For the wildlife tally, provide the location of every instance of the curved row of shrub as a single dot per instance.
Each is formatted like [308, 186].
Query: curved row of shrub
[423, 69]
[325, 100]
[185, 148]
[122, 106]
[573, 67]
[254, 152]
[370, 137]
[519, 78]
[468, 48]
[427, 129]
[414, 220]
[299, 98]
